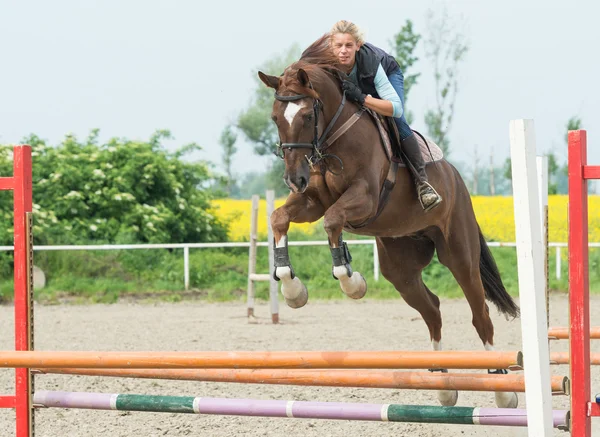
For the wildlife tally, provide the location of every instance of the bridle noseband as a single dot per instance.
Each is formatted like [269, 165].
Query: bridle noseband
[317, 144]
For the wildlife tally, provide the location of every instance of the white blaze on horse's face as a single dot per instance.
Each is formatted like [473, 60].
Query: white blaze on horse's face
[292, 110]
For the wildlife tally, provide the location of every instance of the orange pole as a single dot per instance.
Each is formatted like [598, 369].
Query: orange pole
[262, 360]
[331, 378]
[562, 333]
[563, 358]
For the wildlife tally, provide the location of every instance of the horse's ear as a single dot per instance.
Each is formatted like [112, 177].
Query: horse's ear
[270, 81]
[303, 78]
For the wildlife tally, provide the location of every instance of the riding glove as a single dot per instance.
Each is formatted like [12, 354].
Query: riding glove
[353, 92]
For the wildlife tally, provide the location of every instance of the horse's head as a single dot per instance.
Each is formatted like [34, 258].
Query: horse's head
[296, 112]
[303, 108]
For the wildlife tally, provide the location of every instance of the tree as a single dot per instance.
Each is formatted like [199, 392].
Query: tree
[492, 174]
[118, 192]
[553, 169]
[507, 169]
[227, 141]
[475, 186]
[562, 178]
[446, 47]
[255, 121]
[403, 47]
[574, 123]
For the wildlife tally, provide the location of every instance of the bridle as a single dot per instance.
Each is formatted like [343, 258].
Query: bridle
[318, 144]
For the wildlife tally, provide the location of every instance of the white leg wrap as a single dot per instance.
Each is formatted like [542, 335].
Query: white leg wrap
[354, 286]
[293, 290]
[447, 398]
[504, 399]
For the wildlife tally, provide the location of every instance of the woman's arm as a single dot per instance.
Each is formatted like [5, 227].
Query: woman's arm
[390, 103]
[383, 107]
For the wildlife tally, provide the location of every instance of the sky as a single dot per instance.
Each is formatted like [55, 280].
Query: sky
[131, 67]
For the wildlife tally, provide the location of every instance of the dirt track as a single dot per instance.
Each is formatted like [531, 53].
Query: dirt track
[347, 325]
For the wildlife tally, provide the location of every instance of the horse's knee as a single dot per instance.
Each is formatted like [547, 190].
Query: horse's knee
[280, 222]
[333, 221]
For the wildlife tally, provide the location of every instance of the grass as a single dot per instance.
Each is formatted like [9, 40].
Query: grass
[218, 275]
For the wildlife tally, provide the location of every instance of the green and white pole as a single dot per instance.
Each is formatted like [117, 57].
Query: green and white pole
[291, 409]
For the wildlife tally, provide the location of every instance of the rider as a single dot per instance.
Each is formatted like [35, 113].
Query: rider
[376, 81]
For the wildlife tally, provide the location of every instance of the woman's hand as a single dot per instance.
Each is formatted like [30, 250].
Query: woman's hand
[353, 92]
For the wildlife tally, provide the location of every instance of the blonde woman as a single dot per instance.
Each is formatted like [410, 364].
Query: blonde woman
[375, 80]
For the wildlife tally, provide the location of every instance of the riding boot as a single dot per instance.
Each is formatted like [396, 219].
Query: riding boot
[428, 197]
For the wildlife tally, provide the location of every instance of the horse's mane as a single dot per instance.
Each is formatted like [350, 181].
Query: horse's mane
[317, 60]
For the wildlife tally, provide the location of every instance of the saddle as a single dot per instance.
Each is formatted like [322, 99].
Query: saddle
[390, 141]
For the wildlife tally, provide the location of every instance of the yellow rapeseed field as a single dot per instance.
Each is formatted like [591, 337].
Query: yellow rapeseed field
[495, 215]
[239, 212]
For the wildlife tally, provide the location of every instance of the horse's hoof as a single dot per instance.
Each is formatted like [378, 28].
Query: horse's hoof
[295, 293]
[360, 289]
[506, 400]
[448, 398]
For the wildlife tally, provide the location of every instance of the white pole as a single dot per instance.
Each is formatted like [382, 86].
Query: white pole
[375, 262]
[542, 178]
[252, 256]
[534, 329]
[272, 282]
[186, 267]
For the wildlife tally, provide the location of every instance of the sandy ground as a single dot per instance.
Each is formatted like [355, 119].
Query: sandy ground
[346, 325]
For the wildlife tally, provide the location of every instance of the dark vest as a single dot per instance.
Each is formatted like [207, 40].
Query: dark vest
[368, 59]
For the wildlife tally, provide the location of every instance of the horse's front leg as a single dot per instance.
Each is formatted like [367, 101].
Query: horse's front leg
[355, 205]
[298, 208]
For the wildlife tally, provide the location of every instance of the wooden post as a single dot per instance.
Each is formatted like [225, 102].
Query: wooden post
[252, 256]
[273, 288]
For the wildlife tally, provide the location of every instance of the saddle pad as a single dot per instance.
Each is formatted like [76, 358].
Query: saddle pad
[431, 154]
[436, 152]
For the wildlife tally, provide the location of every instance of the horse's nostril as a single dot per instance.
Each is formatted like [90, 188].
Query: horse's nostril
[302, 182]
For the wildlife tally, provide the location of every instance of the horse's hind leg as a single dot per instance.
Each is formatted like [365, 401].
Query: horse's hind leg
[402, 260]
[461, 253]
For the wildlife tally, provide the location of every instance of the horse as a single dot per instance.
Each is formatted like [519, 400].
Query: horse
[335, 170]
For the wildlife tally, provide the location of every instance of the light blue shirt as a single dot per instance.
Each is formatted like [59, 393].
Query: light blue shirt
[384, 88]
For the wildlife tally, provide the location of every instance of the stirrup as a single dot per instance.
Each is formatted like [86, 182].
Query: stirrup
[424, 188]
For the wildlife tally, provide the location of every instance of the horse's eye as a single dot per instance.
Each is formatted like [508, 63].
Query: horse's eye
[309, 117]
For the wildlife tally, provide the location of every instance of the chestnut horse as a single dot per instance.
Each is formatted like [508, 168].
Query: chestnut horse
[339, 174]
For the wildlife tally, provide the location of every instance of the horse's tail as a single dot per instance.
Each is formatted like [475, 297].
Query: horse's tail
[492, 282]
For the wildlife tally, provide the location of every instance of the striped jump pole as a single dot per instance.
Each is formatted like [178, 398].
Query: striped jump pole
[264, 360]
[562, 333]
[332, 378]
[290, 409]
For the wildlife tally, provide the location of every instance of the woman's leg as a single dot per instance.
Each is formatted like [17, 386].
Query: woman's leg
[428, 197]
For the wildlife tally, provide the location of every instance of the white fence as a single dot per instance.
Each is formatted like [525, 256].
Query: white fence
[187, 246]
